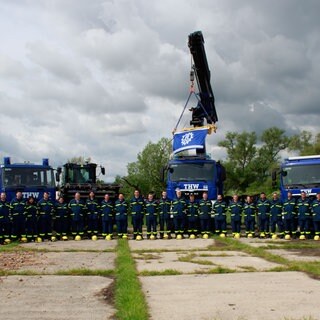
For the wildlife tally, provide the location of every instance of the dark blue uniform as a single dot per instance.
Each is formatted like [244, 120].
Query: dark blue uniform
[289, 210]
[46, 211]
[304, 216]
[165, 221]
[77, 213]
[249, 211]
[5, 222]
[220, 216]
[276, 216]
[205, 208]
[193, 217]
[151, 217]
[31, 220]
[316, 216]
[137, 213]
[263, 208]
[179, 215]
[93, 210]
[236, 210]
[106, 209]
[121, 216]
[62, 219]
[18, 218]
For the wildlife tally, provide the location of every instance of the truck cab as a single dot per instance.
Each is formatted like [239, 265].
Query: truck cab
[299, 174]
[194, 175]
[29, 178]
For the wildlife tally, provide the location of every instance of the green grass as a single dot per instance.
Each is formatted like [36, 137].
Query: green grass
[86, 272]
[130, 301]
[166, 272]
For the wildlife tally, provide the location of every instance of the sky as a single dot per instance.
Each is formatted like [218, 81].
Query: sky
[101, 79]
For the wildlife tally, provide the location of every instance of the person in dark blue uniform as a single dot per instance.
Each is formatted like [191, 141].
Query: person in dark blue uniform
[107, 216]
[151, 209]
[165, 221]
[46, 212]
[5, 222]
[31, 219]
[316, 215]
[179, 213]
[263, 208]
[249, 211]
[18, 217]
[93, 210]
[62, 219]
[77, 211]
[276, 215]
[304, 215]
[220, 215]
[289, 212]
[121, 215]
[205, 209]
[137, 210]
[236, 210]
[192, 216]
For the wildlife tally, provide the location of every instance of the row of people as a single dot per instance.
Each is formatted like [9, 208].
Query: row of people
[20, 219]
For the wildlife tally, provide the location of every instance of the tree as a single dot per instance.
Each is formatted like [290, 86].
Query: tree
[248, 164]
[144, 174]
[306, 143]
[241, 152]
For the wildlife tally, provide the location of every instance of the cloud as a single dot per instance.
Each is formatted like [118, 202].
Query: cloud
[102, 79]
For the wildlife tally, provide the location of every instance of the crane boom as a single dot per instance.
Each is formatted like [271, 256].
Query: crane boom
[206, 108]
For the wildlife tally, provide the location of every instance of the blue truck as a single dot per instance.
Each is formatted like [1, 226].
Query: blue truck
[299, 174]
[29, 178]
[190, 168]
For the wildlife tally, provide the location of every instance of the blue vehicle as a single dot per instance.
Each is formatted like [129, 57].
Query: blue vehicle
[191, 169]
[29, 178]
[299, 174]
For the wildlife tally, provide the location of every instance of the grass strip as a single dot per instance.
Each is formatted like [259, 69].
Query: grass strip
[312, 268]
[166, 272]
[130, 301]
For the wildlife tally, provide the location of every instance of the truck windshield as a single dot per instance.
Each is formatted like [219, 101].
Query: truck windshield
[28, 177]
[301, 175]
[79, 175]
[191, 172]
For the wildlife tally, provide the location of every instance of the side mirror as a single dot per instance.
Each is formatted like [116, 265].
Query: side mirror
[274, 176]
[103, 170]
[57, 176]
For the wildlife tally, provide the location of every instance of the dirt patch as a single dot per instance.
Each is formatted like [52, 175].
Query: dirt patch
[310, 252]
[15, 260]
[107, 294]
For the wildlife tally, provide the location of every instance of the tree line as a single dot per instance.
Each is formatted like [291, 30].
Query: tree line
[250, 160]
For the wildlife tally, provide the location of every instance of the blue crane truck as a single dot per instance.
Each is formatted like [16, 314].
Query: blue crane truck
[299, 174]
[190, 168]
[29, 178]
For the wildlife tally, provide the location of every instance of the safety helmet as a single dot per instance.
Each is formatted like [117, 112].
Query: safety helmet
[94, 238]
[77, 238]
